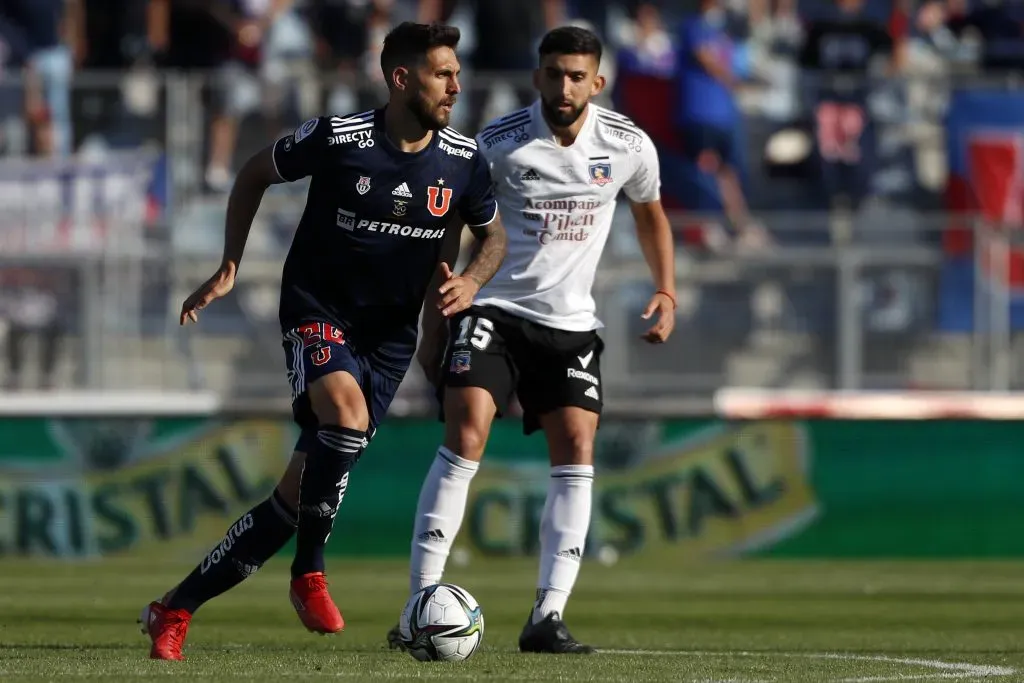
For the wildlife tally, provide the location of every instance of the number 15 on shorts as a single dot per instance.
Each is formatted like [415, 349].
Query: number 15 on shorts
[475, 331]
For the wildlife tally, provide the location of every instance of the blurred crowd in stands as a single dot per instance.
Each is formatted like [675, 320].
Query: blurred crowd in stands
[686, 70]
[757, 106]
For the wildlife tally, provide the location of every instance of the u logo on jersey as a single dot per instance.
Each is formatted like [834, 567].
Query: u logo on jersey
[438, 200]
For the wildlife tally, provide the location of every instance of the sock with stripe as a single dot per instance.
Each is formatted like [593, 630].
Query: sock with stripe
[563, 531]
[252, 540]
[439, 514]
[322, 487]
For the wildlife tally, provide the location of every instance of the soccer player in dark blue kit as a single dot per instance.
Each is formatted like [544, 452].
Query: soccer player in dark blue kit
[390, 190]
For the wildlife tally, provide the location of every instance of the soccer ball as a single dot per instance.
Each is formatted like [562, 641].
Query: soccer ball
[442, 623]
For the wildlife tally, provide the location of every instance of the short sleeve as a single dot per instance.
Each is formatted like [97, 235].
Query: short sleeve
[478, 206]
[644, 185]
[301, 153]
[481, 145]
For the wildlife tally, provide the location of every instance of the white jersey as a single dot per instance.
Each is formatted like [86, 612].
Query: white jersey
[557, 205]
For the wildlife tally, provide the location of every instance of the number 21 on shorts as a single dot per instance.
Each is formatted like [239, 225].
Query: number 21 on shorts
[475, 331]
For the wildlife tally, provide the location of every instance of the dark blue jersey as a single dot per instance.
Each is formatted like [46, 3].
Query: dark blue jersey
[837, 52]
[370, 237]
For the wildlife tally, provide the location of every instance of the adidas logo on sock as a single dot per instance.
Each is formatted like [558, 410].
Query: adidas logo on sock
[433, 535]
[571, 553]
[244, 569]
[402, 191]
[530, 174]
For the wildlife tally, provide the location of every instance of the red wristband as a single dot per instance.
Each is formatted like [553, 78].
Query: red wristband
[670, 298]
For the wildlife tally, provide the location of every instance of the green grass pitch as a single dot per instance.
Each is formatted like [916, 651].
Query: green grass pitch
[744, 621]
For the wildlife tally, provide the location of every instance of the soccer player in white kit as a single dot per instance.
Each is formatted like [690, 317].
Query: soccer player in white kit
[558, 167]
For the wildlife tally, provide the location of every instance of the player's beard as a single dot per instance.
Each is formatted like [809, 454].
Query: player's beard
[429, 115]
[562, 119]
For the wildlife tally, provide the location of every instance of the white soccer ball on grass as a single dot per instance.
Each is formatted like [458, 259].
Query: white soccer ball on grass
[442, 623]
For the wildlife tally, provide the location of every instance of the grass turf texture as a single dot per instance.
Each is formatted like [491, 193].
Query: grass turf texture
[740, 621]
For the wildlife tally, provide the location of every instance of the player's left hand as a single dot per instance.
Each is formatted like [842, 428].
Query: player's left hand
[663, 326]
[457, 292]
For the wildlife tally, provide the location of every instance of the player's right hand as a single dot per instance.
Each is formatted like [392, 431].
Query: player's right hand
[665, 307]
[214, 288]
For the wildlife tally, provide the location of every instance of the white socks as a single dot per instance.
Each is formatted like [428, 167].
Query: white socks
[563, 527]
[439, 513]
[563, 531]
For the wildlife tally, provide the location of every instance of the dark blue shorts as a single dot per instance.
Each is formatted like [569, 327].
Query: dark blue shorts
[317, 349]
[698, 138]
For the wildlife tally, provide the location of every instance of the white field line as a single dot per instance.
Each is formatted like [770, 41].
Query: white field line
[943, 669]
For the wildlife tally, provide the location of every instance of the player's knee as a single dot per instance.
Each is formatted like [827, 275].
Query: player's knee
[468, 416]
[468, 440]
[346, 411]
[466, 435]
[579, 448]
[570, 441]
[338, 400]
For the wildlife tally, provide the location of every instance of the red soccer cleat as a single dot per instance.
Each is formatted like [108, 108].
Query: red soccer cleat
[167, 629]
[313, 604]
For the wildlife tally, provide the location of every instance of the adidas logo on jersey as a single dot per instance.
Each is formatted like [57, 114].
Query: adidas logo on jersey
[530, 174]
[571, 553]
[402, 191]
[592, 393]
[435, 535]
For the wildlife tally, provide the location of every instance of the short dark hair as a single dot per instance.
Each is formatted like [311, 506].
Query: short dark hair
[570, 40]
[409, 42]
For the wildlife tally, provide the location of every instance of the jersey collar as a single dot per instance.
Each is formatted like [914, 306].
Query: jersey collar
[389, 147]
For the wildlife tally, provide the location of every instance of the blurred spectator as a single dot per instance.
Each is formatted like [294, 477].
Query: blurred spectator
[651, 50]
[30, 308]
[933, 30]
[507, 35]
[115, 33]
[14, 48]
[933, 51]
[53, 35]
[644, 69]
[999, 24]
[227, 37]
[13, 53]
[841, 44]
[594, 15]
[707, 115]
[349, 34]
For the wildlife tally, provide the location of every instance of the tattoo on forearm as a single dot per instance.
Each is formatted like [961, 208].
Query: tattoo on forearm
[490, 252]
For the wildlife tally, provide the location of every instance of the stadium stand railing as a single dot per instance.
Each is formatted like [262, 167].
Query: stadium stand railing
[879, 302]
